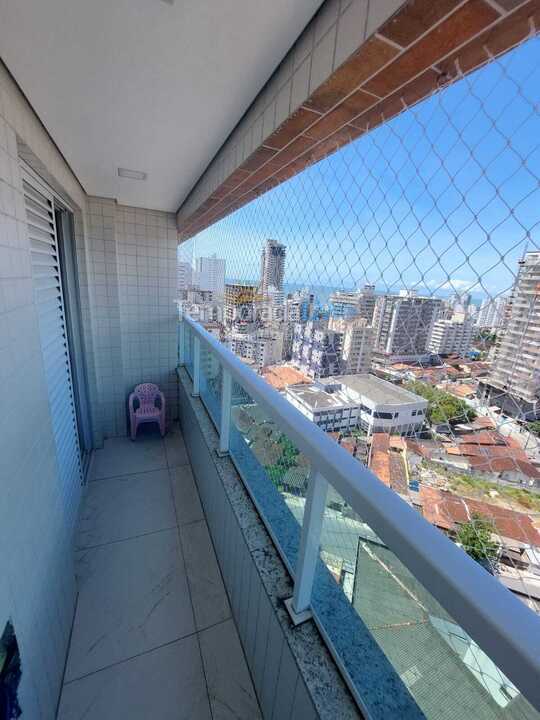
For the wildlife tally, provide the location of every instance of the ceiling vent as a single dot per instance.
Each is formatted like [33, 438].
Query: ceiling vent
[132, 174]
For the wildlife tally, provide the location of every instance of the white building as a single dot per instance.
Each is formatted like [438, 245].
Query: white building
[210, 274]
[492, 312]
[451, 336]
[261, 347]
[403, 325]
[337, 346]
[515, 378]
[366, 401]
[331, 411]
[299, 306]
[184, 275]
[356, 344]
[360, 303]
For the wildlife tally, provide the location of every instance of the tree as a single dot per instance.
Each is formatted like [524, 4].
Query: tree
[443, 407]
[534, 427]
[475, 538]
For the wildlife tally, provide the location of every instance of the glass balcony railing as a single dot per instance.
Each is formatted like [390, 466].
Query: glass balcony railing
[418, 628]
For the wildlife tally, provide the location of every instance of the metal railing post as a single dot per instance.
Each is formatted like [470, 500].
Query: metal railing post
[196, 365]
[308, 555]
[181, 343]
[225, 421]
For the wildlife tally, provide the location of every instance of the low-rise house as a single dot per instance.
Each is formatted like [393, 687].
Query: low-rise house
[448, 511]
[280, 376]
[489, 453]
[460, 390]
[388, 463]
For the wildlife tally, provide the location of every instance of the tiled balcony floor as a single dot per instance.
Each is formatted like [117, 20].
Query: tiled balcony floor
[153, 635]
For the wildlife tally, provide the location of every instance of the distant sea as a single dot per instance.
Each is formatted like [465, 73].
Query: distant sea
[322, 292]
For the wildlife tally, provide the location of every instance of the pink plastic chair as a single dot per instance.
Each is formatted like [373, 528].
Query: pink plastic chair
[144, 409]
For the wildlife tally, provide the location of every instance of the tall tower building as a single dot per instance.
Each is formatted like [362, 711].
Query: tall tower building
[452, 336]
[210, 274]
[403, 325]
[184, 275]
[360, 303]
[492, 313]
[272, 266]
[356, 346]
[515, 377]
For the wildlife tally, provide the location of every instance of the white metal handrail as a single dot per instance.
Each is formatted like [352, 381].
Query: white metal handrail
[496, 620]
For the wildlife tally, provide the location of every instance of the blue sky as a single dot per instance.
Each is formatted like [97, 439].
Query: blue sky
[444, 197]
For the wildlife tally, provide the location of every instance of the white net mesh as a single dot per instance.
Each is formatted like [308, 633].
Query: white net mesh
[392, 293]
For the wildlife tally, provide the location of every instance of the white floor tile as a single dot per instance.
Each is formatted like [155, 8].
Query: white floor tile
[167, 683]
[186, 496]
[229, 683]
[126, 506]
[175, 447]
[121, 456]
[133, 596]
[208, 595]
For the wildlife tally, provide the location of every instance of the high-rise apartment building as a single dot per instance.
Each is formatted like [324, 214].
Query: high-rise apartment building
[356, 344]
[184, 275]
[403, 324]
[259, 348]
[515, 378]
[492, 313]
[360, 303]
[209, 274]
[452, 336]
[239, 302]
[316, 350]
[272, 266]
[299, 306]
[322, 349]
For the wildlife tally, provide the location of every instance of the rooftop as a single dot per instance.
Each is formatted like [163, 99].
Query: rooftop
[317, 399]
[447, 510]
[387, 464]
[379, 391]
[280, 376]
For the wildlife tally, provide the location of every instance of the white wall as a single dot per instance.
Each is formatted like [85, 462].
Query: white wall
[37, 588]
[132, 258]
[127, 278]
[146, 254]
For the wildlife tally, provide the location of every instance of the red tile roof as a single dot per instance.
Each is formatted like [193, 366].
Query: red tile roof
[483, 437]
[461, 389]
[279, 376]
[483, 421]
[505, 464]
[419, 448]
[387, 465]
[378, 459]
[447, 511]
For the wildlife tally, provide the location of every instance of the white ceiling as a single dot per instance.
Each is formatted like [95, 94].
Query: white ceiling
[144, 84]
